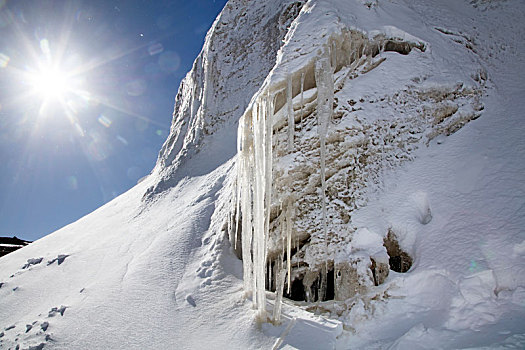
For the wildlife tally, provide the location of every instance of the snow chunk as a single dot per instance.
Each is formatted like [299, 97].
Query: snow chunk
[190, 300]
[476, 305]
[367, 240]
[422, 205]
[59, 259]
[393, 32]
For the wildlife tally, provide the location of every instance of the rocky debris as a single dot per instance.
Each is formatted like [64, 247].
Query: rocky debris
[59, 259]
[32, 261]
[57, 310]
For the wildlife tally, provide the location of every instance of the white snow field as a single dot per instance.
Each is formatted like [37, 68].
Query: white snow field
[157, 267]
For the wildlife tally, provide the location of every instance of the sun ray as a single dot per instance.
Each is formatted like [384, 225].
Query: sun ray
[97, 63]
[107, 103]
[23, 38]
[65, 33]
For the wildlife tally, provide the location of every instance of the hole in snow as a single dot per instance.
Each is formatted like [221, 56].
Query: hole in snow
[399, 260]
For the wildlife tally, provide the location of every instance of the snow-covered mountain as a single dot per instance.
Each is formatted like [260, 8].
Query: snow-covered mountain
[364, 158]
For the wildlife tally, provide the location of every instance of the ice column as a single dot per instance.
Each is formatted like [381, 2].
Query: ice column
[289, 228]
[255, 177]
[279, 286]
[268, 160]
[325, 99]
[259, 246]
[245, 170]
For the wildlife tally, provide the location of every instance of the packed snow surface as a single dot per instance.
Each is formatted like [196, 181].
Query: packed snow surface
[157, 267]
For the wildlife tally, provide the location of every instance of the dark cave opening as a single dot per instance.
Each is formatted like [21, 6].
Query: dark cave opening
[297, 290]
[300, 292]
[330, 286]
[399, 260]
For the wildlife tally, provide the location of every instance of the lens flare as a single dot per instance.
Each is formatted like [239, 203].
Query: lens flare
[102, 119]
[4, 60]
[155, 49]
[72, 182]
[123, 140]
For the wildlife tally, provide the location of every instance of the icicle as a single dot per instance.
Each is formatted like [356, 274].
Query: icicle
[247, 238]
[368, 57]
[269, 160]
[283, 229]
[253, 200]
[270, 275]
[291, 117]
[288, 245]
[240, 174]
[258, 207]
[333, 56]
[325, 98]
[230, 225]
[302, 100]
[289, 228]
[323, 279]
[245, 168]
[279, 287]
[238, 194]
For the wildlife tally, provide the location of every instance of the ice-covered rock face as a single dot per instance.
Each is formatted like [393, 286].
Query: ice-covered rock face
[239, 51]
[325, 106]
[331, 118]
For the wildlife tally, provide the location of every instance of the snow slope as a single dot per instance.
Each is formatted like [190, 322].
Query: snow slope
[154, 268]
[123, 283]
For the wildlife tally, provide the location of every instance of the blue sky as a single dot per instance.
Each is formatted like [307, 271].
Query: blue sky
[119, 64]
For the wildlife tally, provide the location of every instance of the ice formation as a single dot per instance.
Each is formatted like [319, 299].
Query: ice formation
[254, 181]
[325, 100]
[305, 158]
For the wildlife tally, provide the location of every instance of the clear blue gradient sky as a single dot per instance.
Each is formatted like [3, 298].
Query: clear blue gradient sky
[63, 157]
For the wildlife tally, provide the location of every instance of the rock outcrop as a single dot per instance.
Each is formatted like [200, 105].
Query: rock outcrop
[323, 113]
[10, 244]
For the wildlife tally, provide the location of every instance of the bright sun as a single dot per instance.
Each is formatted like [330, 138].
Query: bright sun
[51, 83]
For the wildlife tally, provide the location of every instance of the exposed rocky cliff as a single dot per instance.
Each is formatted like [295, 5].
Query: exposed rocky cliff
[10, 244]
[332, 117]
[239, 51]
